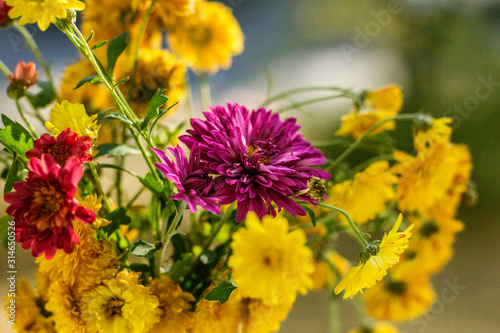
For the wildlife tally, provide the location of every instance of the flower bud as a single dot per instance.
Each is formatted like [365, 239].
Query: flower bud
[23, 78]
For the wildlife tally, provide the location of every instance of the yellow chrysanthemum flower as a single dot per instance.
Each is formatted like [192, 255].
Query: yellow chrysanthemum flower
[257, 316]
[119, 305]
[208, 39]
[431, 246]
[89, 264]
[400, 298]
[376, 260]
[366, 195]
[378, 327]
[424, 178]
[42, 12]
[94, 97]
[72, 115]
[29, 310]
[427, 135]
[175, 305]
[281, 259]
[323, 275]
[64, 303]
[211, 316]
[156, 69]
[377, 105]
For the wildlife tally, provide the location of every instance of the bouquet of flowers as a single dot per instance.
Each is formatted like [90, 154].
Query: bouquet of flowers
[227, 218]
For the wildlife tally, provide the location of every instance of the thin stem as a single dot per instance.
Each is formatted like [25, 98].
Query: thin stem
[307, 102]
[334, 315]
[291, 92]
[409, 116]
[166, 238]
[97, 180]
[4, 68]
[205, 91]
[105, 238]
[353, 226]
[21, 113]
[38, 55]
[136, 196]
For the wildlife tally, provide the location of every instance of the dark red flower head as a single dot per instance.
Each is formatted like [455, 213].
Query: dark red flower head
[63, 146]
[4, 12]
[257, 159]
[44, 206]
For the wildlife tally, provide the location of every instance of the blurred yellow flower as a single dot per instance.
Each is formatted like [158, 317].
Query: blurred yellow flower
[366, 195]
[119, 305]
[176, 316]
[324, 275]
[29, 310]
[281, 260]
[400, 298]
[377, 327]
[42, 12]
[156, 69]
[375, 261]
[427, 135]
[72, 115]
[376, 106]
[208, 39]
[211, 316]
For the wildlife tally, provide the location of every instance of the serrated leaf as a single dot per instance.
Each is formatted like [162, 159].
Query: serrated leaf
[16, 137]
[117, 217]
[117, 150]
[11, 176]
[122, 81]
[154, 107]
[117, 116]
[181, 267]
[311, 214]
[99, 45]
[221, 292]
[44, 97]
[95, 80]
[143, 249]
[115, 49]
[85, 80]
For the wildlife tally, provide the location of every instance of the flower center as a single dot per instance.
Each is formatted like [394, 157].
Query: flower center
[115, 307]
[396, 287]
[272, 258]
[263, 157]
[59, 153]
[200, 35]
[48, 199]
[428, 229]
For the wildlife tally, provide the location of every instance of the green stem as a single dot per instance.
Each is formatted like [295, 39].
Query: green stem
[4, 68]
[38, 55]
[97, 180]
[167, 236]
[205, 91]
[21, 113]
[136, 196]
[105, 238]
[353, 226]
[334, 315]
[307, 102]
[291, 92]
[409, 116]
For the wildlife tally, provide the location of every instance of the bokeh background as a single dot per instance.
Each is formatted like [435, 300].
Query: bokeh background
[446, 56]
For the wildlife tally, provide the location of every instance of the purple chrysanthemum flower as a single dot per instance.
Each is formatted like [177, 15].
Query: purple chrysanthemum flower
[257, 159]
[195, 185]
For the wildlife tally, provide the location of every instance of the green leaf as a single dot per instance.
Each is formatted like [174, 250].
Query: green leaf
[91, 35]
[85, 80]
[153, 108]
[95, 80]
[107, 110]
[117, 150]
[118, 116]
[117, 217]
[11, 176]
[122, 81]
[311, 214]
[143, 249]
[44, 97]
[181, 267]
[115, 49]
[4, 229]
[99, 45]
[150, 182]
[221, 292]
[16, 137]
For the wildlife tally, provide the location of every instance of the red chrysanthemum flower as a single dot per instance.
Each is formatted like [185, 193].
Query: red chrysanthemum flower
[63, 146]
[4, 12]
[44, 206]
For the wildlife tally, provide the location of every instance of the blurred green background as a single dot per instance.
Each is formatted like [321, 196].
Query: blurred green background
[446, 56]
